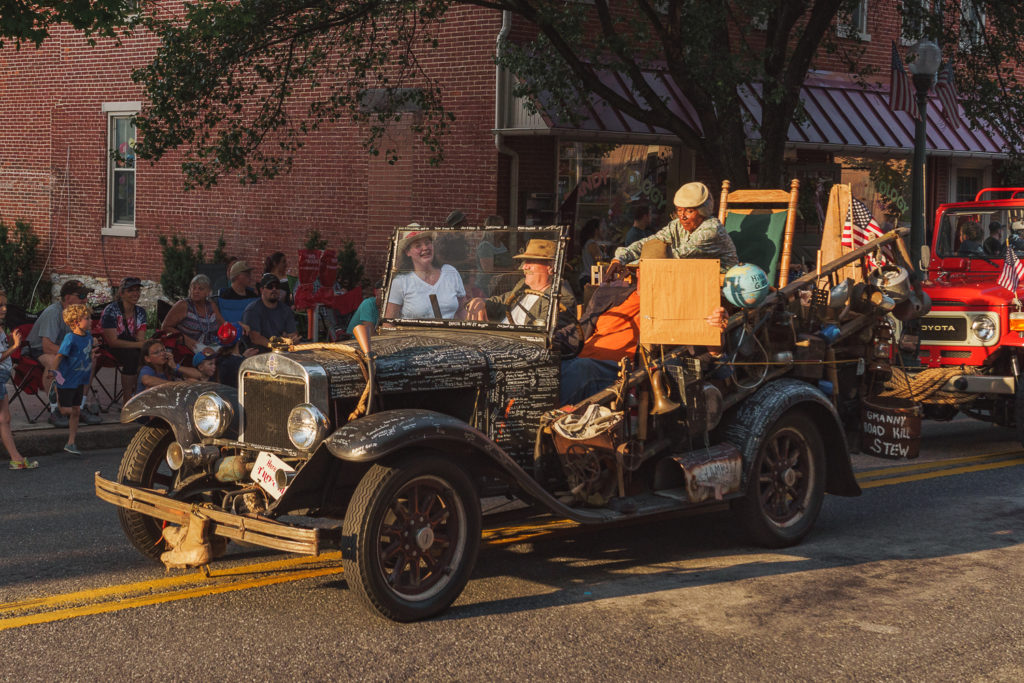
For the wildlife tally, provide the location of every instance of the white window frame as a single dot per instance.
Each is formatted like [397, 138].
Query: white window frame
[858, 25]
[113, 111]
[972, 25]
[905, 39]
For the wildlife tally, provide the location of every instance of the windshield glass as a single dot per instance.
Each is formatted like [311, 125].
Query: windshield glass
[472, 277]
[980, 232]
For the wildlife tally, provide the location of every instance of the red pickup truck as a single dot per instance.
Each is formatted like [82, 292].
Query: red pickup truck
[975, 323]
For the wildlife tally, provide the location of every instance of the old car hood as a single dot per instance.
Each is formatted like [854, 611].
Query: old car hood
[419, 361]
[957, 289]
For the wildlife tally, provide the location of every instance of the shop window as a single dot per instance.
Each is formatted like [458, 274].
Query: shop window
[605, 181]
[968, 184]
[120, 169]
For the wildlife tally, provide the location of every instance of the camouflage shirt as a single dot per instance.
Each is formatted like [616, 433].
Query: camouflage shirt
[709, 240]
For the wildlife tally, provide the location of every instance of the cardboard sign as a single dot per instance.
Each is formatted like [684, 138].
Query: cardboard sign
[676, 297]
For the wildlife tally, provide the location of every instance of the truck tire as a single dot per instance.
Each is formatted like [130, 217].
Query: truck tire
[143, 465]
[786, 486]
[415, 525]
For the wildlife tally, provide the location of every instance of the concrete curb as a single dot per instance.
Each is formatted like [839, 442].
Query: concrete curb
[37, 442]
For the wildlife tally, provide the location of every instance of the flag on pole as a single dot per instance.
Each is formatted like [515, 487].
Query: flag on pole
[945, 88]
[859, 228]
[901, 90]
[1013, 271]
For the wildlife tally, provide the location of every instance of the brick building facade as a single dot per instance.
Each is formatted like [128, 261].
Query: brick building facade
[58, 105]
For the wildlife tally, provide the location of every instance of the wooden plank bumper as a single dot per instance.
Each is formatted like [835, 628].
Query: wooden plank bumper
[262, 532]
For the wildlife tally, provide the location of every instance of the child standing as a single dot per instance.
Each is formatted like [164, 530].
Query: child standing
[18, 462]
[74, 366]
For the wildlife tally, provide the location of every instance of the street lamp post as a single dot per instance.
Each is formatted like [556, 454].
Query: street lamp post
[924, 68]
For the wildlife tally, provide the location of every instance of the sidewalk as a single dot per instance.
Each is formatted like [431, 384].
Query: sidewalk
[42, 438]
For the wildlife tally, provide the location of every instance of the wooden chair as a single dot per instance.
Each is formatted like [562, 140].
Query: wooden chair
[763, 235]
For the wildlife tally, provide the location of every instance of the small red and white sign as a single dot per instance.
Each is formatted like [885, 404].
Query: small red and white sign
[264, 473]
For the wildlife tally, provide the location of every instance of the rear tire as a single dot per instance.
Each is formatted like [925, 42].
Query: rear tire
[786, 485]
[416, 529]
[143, 465]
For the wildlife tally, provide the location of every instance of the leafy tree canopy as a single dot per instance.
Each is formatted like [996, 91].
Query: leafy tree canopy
[239, 85]
[30, 22]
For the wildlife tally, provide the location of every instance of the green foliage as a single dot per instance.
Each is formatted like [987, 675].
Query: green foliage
[18, 252]
[314, 240]
[179, 265]
[350, 270]
[30, 22]
[219, 254]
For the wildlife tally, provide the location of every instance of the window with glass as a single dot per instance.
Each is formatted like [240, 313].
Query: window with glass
[121, 171]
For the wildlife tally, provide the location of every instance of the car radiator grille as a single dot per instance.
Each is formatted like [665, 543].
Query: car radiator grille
[943, 329]
[266, 403]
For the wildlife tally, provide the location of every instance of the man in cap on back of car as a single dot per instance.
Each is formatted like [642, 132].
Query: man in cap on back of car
[45, 337]
[695, 232]
[269, 316]
[527, 303]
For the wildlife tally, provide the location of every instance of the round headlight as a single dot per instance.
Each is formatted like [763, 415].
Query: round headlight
[306, 426]
[211, 414]
[984, 328]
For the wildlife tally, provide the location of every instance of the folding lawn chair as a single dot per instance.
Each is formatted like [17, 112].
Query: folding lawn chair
[28, 378]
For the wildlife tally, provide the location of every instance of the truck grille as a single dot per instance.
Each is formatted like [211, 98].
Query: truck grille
[266, 403]
[943, 328]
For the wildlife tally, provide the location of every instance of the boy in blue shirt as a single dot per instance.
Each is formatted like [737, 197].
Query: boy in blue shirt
[74, 368]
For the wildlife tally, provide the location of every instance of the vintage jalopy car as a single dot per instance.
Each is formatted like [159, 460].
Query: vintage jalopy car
[400, 436]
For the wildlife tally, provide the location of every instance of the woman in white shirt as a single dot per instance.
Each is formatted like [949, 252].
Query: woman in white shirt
[410, 291]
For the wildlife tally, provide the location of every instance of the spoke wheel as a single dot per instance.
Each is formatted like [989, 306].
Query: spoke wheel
[786, 484]
[416, 530]
[143, 464]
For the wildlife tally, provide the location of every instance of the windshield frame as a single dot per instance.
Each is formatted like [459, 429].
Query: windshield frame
[559, 234]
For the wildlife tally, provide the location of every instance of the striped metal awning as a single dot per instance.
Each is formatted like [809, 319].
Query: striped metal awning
[841, 115]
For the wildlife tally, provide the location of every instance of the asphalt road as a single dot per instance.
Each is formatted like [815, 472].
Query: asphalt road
[917, 579]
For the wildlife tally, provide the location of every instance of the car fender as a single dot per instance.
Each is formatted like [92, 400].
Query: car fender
[757, 413]
[374, 437]
[172, 403]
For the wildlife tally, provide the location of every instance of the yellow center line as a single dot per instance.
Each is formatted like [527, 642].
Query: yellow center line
[198, 584]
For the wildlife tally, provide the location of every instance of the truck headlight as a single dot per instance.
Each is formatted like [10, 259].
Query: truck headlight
[211, 414]
[307, 426]
[984, 328]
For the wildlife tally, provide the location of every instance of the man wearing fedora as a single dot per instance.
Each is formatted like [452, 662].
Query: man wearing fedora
[527, 302]
[695, 232]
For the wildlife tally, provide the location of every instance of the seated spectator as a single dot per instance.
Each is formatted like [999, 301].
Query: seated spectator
[422, 277]
[277, 263]
[368, 311]
[456, 219]
[233, 300]
[159, 367]
[197, 318]
[45, 337]
[268, 316]
[123, 326]
[526, 303]
[229, 359]
[206, 365]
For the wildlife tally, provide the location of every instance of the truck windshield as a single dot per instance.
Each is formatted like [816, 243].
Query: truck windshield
[980, 232]
[473, 277]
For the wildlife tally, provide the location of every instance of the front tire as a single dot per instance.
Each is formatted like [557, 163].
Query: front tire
[787, 484]
[416, 529]
[143, 465]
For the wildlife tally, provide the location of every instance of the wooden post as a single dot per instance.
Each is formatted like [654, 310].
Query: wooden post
[787, 238]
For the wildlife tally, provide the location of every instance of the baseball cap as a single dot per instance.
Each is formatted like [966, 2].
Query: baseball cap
[229, 333]
[130, 282]
[269, 279]
[75, 287]
[237, 268]
[199, 357]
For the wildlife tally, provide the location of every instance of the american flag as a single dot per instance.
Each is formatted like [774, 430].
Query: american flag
[945, 88]
[859, 227]
[901, 90]
[1013, 271]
